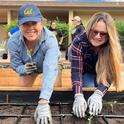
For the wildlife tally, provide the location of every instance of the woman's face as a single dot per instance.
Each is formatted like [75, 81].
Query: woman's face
[53, 25]
[98, 35]
[31, 30]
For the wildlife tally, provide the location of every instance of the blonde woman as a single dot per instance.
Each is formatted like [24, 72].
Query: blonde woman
[95, 62]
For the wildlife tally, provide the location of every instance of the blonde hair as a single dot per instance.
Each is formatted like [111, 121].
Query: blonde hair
[110, 55]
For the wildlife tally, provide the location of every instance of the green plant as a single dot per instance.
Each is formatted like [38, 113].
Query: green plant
[112, 104]
[29, 52]
[10, 26]
[120, 29]
[64, 28]
[89, 117]
[0, 45]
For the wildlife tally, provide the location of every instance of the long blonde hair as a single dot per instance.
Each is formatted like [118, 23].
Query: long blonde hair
[110, 55]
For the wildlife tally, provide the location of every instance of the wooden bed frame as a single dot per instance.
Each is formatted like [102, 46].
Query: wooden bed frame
[9, 80]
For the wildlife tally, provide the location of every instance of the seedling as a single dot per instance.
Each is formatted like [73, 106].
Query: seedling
[90, 117]
[29, 52]
[112, 104]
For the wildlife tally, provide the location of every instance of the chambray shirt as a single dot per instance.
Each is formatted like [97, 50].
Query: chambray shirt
[45, 55]
[83, 60]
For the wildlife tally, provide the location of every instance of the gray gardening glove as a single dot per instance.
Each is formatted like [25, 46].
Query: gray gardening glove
[30, 68]
[95, 102]
[79, 105]
[42, 114]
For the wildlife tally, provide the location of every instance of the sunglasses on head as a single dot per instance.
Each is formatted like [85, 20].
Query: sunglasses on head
[101, 33]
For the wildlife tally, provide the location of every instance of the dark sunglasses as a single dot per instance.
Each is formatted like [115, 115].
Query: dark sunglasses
[32, 22]
[101, 33]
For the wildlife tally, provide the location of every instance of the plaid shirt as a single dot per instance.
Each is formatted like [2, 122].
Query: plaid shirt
[83, 60]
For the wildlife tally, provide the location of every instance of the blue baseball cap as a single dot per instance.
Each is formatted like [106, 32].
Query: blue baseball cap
[28, 13]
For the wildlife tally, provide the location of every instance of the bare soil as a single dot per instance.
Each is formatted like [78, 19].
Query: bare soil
[116, 109]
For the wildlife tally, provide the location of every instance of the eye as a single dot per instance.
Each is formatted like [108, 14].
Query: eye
[103, 33]
[95, 32]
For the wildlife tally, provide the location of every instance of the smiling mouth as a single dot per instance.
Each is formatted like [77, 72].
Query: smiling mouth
[30, 33]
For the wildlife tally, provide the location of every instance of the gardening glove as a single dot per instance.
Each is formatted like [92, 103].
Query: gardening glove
[79, 105]
[95, 102]
[42, 114]
[30, 68]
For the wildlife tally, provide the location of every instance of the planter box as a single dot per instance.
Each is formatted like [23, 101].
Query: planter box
[9, 80]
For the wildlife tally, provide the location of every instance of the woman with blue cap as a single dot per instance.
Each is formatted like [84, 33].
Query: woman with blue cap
[33, 50]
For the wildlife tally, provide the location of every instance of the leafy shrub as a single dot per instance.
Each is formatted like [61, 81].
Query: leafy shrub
[10, 26]
[120, 29]
[64, 28]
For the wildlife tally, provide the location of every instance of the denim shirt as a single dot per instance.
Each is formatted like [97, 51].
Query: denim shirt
[45, 55]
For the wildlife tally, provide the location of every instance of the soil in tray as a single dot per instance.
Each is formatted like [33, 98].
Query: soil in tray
[64, 109]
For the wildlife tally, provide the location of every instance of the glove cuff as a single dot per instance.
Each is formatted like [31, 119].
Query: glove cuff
[43, 102]
[98, 92]
[79, 94]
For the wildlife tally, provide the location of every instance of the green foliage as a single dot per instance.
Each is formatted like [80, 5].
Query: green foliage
[89, 117]
[0, 45]
[112, 104]
[64, 28]
[10, 26]
[120, 29]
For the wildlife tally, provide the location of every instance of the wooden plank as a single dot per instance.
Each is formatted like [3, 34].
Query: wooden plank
[37, 88]
[7, 72]
[66, 78]
[9, 80]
